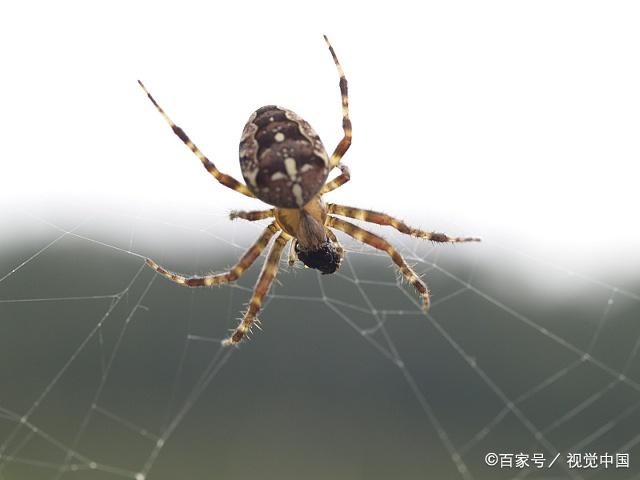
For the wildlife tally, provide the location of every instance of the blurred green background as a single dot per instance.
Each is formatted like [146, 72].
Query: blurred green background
[117, 372]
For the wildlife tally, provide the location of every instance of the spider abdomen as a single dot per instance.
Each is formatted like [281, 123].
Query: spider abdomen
[282, 158]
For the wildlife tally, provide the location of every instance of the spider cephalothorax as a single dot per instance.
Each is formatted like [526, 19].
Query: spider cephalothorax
[285, 165]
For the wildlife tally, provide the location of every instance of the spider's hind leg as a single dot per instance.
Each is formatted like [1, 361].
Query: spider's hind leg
[232, 275]
[267, 276]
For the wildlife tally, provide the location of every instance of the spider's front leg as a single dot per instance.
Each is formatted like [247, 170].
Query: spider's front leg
[267, 275]
[345, 143]
[232, 275]
[293, 256]
[223, 178]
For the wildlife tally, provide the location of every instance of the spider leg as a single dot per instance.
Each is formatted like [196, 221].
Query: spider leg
[267, 275]
[252, 216]
[293, 256]
[345, 143]
[232, 275]
[384, 219]
[341, 179]
[380, 243]
[224, 179]
[334, 239]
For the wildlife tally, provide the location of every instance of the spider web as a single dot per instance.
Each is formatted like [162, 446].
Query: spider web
[109, 371]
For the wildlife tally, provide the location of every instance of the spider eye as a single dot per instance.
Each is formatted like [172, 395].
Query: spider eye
[326, 258]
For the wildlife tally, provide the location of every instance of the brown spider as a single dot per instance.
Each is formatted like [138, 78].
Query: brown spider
[285, 164]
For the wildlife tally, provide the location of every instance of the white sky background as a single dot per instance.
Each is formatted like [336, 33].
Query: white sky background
[513, 120]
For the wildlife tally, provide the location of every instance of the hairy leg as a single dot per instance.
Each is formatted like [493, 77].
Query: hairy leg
[223, 178]
[341, 179]
[345, 143]
[293, 256]
[380, 243]
[206, 281]
[384, 219]
[267, 275]
[253, 215]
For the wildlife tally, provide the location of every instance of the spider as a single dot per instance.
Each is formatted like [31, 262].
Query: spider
[285, 164]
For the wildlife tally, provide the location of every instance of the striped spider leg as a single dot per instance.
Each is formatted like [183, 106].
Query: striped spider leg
[253, 215]
[387, 220]
[266, 278]
[340, 180]
[268, 274]
[293, 256]
[345, 143]
[232, 275]
[380, 243]
[223, 178]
